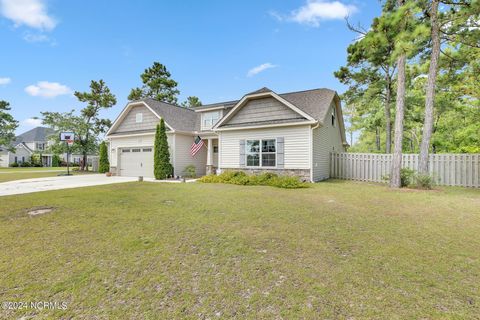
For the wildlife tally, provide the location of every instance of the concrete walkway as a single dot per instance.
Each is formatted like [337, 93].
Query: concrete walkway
[57, 183]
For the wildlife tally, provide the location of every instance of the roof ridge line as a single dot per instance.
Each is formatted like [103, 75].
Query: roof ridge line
[168, 103]
[307, 90]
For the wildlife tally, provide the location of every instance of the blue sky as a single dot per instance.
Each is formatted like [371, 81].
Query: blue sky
[216, 50]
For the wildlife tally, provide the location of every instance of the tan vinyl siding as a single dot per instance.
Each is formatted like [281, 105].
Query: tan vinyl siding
[296, 146]
[326, 139]
[265, 109]
[134, 141]
[183, 157]
[129, 123]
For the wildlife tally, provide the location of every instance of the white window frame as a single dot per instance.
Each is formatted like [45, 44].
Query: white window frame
[139, 117]
[40, 146]
[209, 120]
[260, 152]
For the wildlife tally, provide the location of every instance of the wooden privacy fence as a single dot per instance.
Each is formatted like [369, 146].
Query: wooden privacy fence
[446, 169]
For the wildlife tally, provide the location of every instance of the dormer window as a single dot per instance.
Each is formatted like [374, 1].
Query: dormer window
[209, 119]
[139, 117]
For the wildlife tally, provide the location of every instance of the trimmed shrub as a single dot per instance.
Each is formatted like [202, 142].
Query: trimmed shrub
[406, 177]
[264, 179]
[190, 171]
[35, 160]
[162, 168]
[424, 181]
[25, 164]
[103, 164]
[14, 165]
[211, 178]
[56, 160]
[288, 183]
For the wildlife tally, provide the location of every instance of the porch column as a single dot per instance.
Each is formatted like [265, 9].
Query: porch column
[210, 156]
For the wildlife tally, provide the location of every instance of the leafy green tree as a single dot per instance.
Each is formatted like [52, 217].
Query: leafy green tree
[191, 102]
[162, 168]
[104, 164]
[7, 125]
[88, 125]
[370, 69]
[157, 84]
[56, 160]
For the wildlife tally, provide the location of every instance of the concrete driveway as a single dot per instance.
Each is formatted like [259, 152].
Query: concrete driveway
[57, 183]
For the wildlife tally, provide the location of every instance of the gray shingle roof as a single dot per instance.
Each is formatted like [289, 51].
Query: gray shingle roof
[315, 103]
[36, 134]
[179, 118]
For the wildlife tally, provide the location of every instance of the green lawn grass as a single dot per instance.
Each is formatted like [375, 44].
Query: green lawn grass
[27, 175]
[338, 250]
[27, 169]
[11, 174]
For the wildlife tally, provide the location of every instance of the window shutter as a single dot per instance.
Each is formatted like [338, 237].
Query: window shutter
[242, 154]
[280, 152]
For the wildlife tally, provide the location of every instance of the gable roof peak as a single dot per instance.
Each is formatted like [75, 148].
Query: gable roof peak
[262, 90]
[35, 134]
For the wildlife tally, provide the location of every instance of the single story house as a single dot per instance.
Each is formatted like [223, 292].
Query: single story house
[290, 133]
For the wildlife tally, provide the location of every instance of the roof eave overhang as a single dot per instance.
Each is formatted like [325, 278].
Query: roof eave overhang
[289, 124]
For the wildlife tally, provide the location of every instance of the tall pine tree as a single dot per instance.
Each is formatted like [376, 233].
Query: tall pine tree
[157, 84]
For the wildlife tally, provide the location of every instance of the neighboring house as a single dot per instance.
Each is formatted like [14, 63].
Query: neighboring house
[33, 141]
[291, 133]
[25, 145]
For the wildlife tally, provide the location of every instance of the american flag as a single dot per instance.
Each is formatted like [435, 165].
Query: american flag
[196, 145]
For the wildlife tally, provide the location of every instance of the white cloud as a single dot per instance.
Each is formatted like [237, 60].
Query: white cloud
[260, 68]
[30, 37]
[4, 81]
[32, 13]
[32, 122]
[47, 89]
[315, 11]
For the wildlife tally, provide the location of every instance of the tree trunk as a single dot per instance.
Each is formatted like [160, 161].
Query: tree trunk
[399, 115]
[430, 91]
[377, 138]
[388, 120]
[85, 165]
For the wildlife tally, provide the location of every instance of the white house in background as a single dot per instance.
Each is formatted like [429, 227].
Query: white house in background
[290, 133]
[25, 145]
[34, 141]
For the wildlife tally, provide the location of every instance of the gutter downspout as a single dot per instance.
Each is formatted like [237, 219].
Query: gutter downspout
[311, 150]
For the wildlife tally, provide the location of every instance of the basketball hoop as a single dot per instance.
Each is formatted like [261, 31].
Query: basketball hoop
[69, 138]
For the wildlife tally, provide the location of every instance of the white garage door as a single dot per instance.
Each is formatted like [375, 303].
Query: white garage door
[136, 161]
